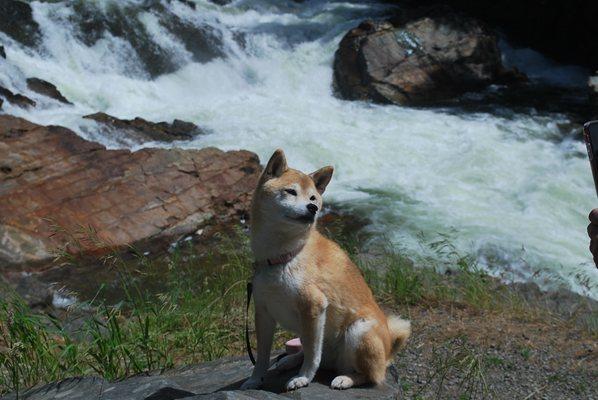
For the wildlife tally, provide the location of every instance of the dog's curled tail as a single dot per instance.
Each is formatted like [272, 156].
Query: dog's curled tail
[399, 329]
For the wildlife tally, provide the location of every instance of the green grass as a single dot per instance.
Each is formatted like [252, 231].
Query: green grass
[197, 316]
[399, 280]
[196, 313]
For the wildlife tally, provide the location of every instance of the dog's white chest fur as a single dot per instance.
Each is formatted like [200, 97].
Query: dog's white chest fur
[276, 288]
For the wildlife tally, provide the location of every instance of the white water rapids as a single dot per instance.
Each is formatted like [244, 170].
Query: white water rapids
[503, 185]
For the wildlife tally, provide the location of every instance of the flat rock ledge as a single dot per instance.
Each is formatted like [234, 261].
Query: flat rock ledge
[214, 380]
[59, 191]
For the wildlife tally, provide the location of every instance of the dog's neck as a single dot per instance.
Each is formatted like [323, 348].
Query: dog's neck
[271, 240]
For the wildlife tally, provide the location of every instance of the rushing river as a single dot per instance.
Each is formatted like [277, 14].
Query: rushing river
[505, 185]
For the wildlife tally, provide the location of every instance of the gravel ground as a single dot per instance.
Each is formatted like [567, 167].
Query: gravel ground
[465, 354]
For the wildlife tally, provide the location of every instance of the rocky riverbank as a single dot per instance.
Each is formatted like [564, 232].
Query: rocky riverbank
[455, 349]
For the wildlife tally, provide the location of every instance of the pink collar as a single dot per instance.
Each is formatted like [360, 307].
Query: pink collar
[281, 259]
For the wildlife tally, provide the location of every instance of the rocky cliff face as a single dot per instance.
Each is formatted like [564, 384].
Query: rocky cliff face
[51, 180]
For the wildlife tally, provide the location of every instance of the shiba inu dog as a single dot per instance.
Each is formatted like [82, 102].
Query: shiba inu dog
[308, 285]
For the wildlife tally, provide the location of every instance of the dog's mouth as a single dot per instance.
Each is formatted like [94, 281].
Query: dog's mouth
[305, 218]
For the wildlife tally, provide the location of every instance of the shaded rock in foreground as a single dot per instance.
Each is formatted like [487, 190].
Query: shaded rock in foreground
[2, 52]
[34, 292]
[47, 89]
[214, 380]
[51, 177]
[417, 59]
[141, 130]
[16, 99]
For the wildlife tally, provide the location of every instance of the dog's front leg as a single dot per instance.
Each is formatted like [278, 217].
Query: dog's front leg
[313, 319]
[264, 326]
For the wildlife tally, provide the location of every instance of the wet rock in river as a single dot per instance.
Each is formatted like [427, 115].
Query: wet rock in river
[418, 58]
[16, 98]
[142, 130]
[47, 89]
[16, 20]
[203, 42]
[125, 21]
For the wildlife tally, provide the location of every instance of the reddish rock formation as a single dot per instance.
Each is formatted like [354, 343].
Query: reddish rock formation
[50, 177]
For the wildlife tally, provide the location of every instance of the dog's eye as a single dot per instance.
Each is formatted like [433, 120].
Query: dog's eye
[313, 198]
[291, 192]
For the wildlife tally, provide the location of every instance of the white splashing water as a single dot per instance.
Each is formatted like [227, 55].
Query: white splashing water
[511, 194]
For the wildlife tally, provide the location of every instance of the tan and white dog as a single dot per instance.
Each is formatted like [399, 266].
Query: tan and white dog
[308, 285]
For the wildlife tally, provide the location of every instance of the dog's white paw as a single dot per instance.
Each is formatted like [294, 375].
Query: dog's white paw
[342, 382]
[251, 383]
[288, 362]
[297, 382]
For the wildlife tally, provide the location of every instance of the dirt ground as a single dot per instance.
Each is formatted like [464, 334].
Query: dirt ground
[461, 353]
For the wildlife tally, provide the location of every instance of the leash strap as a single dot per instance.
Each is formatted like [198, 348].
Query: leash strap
[247, 342]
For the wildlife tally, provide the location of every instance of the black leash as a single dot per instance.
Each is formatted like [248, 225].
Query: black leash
[247, 342]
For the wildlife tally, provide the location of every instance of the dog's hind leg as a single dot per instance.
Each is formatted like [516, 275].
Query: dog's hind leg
[364, 355]
[370, 359]
[347, 381]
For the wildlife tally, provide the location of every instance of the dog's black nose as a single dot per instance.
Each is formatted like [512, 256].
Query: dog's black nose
[312, 208]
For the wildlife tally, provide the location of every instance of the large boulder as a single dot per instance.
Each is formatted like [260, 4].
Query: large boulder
[141, 130]
[58, 191]
[417, 59]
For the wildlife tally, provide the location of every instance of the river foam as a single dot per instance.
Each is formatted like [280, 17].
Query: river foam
[504, 185]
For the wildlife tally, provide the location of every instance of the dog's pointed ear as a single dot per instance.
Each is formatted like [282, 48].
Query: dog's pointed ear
[277, 165]
[322, 178]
